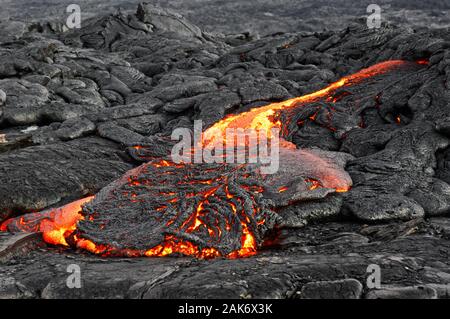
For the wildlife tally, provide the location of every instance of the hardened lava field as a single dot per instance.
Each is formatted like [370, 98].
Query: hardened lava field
[86, 175]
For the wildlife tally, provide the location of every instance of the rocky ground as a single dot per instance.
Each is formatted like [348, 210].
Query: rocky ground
[75, 102]
[258, 17]
[320, 261]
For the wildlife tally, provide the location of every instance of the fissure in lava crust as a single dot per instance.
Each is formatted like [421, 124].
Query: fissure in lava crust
[208, 210]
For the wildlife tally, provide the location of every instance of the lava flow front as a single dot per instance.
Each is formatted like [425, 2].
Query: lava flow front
[163, 208]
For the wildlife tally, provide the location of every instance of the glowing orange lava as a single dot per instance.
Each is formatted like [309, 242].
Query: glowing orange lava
[55, 224]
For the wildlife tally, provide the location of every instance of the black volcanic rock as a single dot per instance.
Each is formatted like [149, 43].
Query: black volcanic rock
[40, 176]
[339, 289]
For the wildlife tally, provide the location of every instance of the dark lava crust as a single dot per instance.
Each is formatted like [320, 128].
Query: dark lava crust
[73, 105]
[154, 201]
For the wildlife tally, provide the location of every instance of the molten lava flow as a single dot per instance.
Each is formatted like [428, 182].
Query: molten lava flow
[59, 226]
[55, 224]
